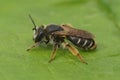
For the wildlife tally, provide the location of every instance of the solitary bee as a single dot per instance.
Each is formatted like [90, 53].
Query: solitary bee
[58, 34]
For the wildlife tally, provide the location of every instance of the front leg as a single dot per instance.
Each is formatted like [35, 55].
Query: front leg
[34, 45]
[47, 39]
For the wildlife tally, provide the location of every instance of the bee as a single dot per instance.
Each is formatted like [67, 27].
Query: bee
[63, 35]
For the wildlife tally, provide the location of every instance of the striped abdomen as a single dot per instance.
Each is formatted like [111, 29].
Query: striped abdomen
[84, 43]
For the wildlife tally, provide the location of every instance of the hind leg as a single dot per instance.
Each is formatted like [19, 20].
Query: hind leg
[74, 51]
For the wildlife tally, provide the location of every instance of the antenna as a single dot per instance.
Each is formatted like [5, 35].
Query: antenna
[32, 21]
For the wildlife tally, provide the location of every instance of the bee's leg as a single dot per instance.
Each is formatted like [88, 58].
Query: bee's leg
[47, 40]
[52, 57]
[74, 51]
[34, 45]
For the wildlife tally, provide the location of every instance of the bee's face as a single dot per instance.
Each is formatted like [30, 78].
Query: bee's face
[38, 34]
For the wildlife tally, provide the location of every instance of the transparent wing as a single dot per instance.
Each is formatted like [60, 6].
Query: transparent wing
[68, 30]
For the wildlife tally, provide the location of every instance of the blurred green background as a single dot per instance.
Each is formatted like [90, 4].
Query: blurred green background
[101, 17]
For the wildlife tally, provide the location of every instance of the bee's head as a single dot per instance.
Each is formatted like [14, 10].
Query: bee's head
[38, 32]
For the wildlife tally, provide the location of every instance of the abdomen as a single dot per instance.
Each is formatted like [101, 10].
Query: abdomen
[84, 43]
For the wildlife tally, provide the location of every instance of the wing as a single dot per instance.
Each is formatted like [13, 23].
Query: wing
[76, 32]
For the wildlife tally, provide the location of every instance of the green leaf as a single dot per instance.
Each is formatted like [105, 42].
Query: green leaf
[100, 17]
